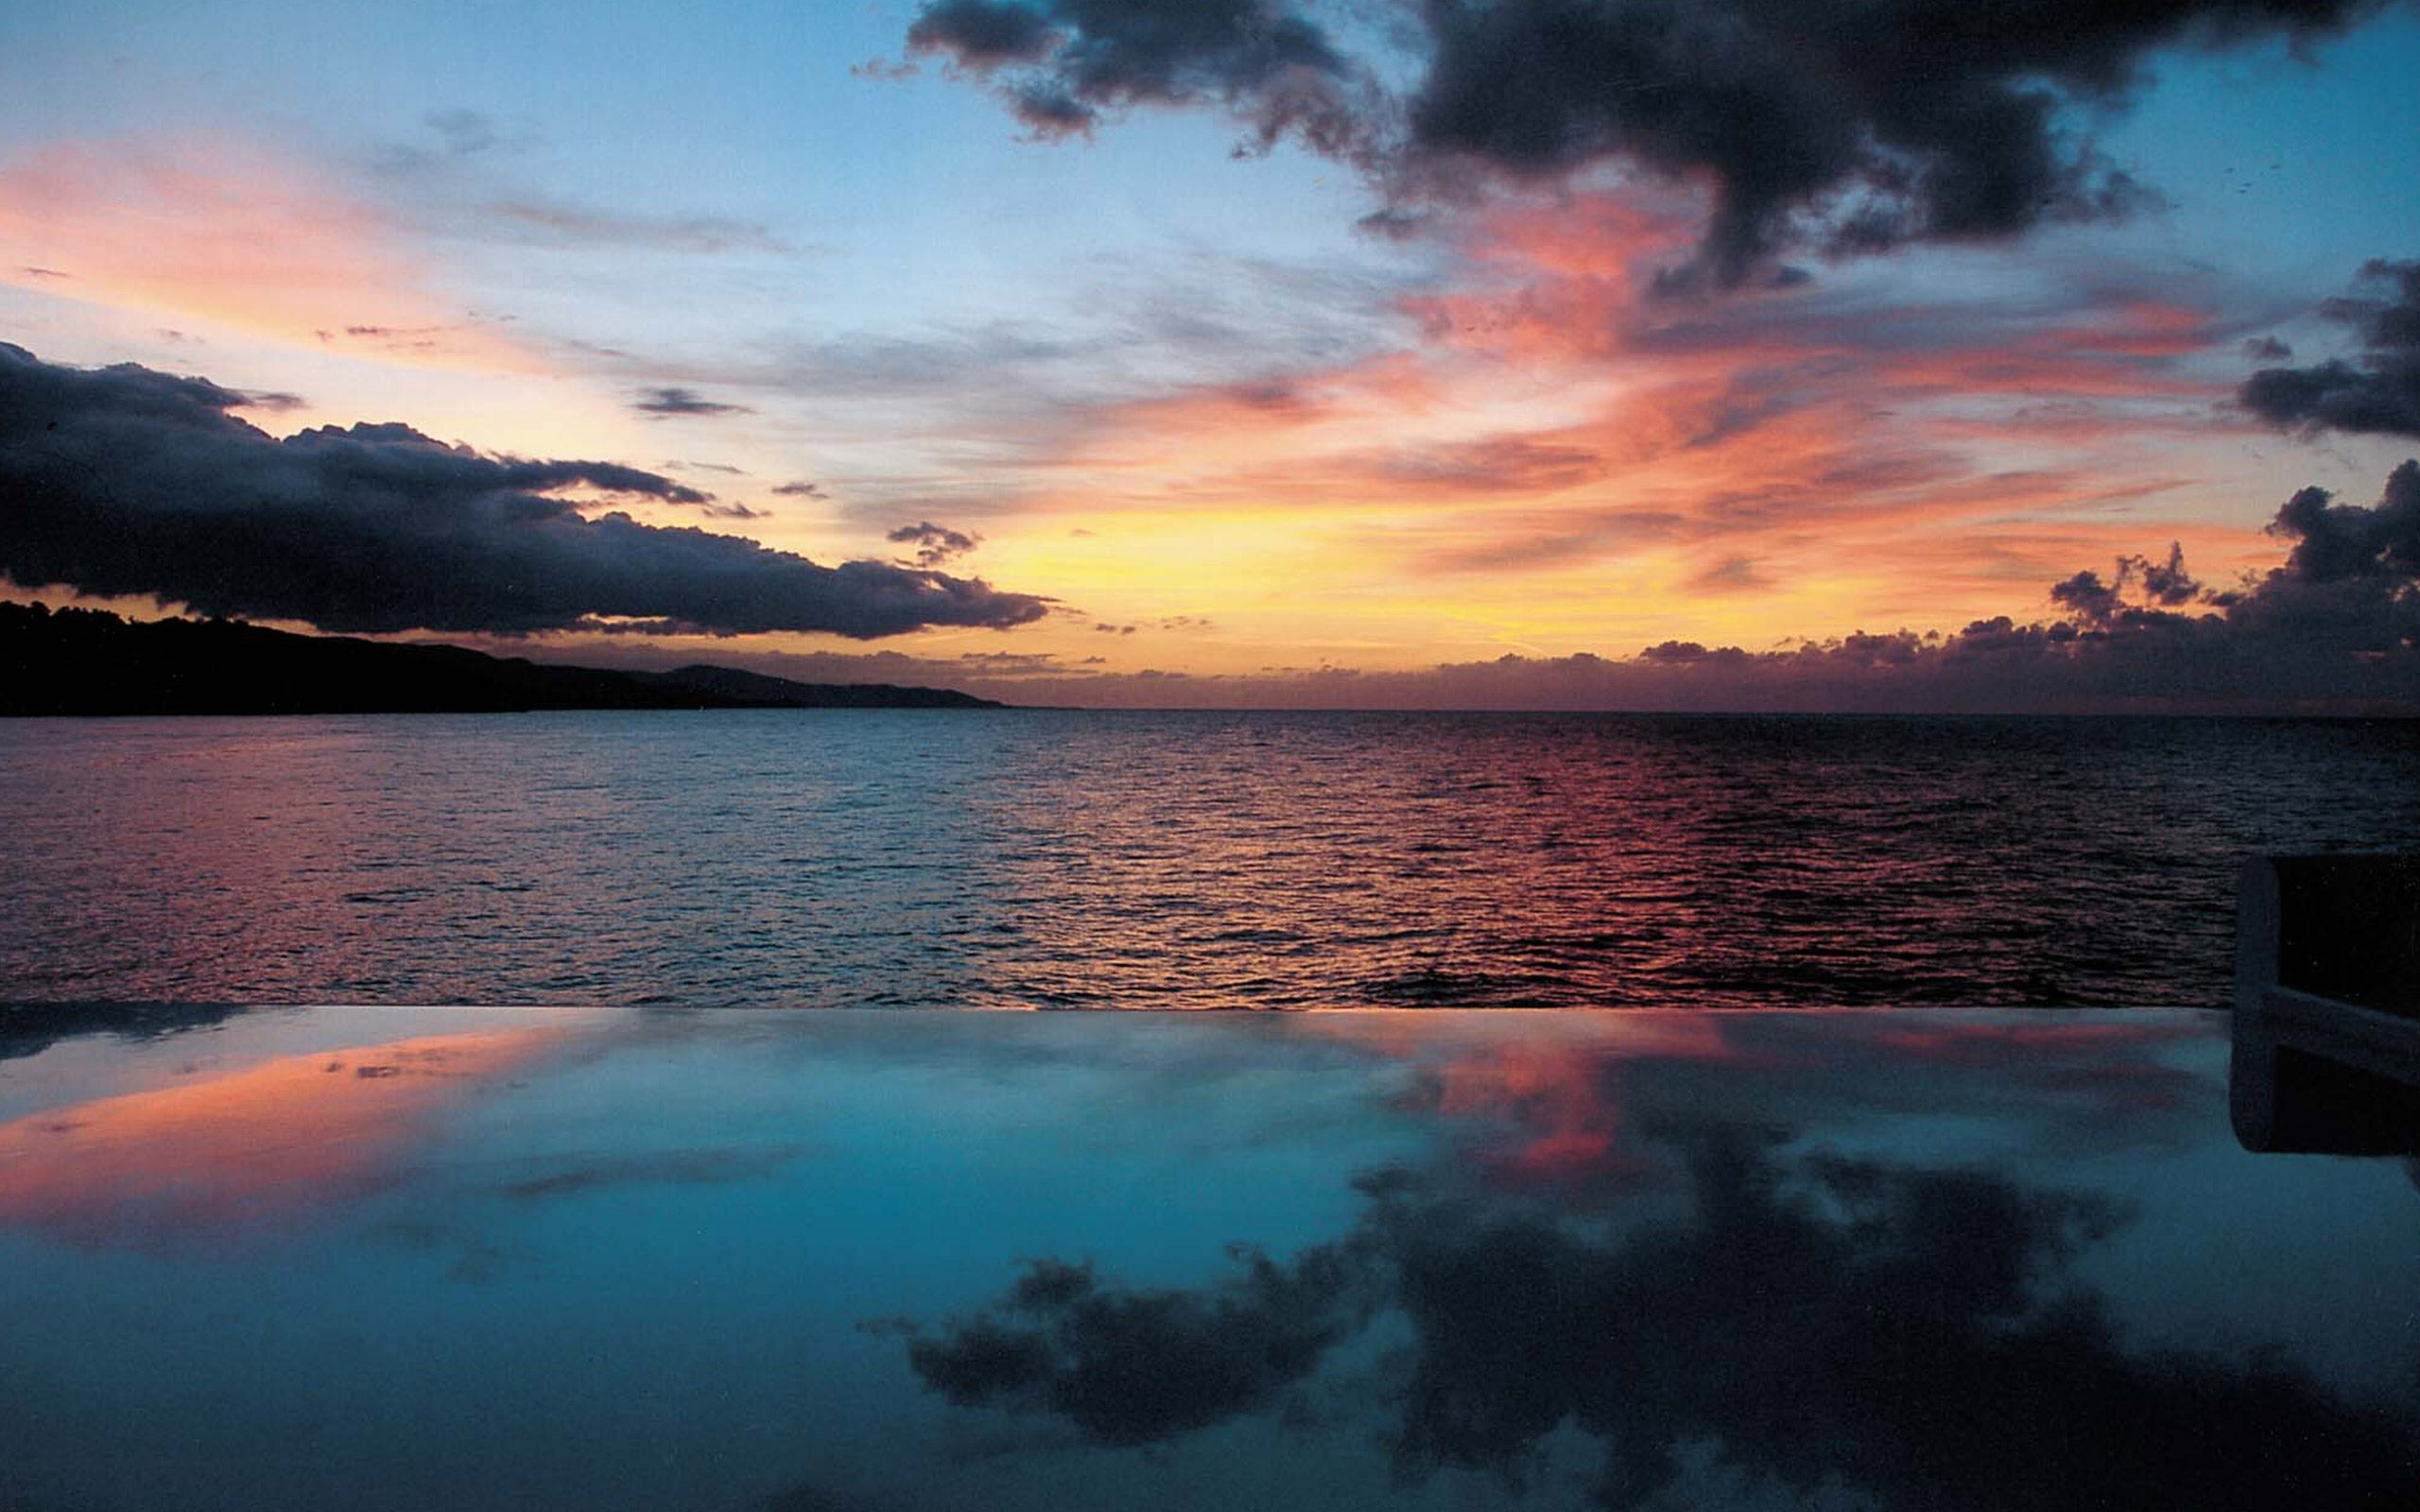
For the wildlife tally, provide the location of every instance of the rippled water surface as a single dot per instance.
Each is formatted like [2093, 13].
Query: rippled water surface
[1181, 860]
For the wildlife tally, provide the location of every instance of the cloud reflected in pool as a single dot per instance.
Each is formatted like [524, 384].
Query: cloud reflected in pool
[1675, 1268]
[215, 1154]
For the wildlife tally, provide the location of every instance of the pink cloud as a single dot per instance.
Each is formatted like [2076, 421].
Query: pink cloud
[231, 235]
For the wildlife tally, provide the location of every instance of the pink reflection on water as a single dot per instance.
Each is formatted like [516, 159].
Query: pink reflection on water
[1595, 1100]
[258, 1147]
[1558, 1095]
[2114, 1063]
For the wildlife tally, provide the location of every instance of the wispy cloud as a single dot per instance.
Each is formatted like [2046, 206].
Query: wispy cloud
[467, 178]
[178, 230]
[2377, 393]
[681, 403]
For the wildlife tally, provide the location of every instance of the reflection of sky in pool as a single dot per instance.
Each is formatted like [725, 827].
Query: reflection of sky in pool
[401, 1258]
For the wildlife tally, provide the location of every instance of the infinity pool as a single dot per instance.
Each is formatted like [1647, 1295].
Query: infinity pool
[402, 1258]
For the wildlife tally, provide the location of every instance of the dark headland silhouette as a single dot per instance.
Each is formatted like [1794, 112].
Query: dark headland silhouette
[90, 662]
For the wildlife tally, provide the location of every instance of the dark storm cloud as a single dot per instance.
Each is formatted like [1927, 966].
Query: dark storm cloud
[1060, 63]
[2165, 584]
[2162, 586]
[934, 544]
[1050, 112]
[1846, 125]
[666, 404]
[1852, 126]
[982, 34]
[2377, 394]
[1919, 1337]
[127, 481]
[2340, 542]
[1689, 654]
[2087, 598]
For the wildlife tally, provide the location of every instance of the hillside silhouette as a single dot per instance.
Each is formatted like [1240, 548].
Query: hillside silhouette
[91, 661]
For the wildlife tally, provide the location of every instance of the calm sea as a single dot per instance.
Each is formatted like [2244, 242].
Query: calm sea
[1154, 861]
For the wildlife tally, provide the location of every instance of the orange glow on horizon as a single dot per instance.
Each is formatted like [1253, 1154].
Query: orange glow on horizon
[1567, 461]
[1557, 460]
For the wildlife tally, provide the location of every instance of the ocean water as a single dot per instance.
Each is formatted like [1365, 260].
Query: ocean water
[1062, 859]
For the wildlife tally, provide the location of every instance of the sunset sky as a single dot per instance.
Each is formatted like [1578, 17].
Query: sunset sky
[1301, 348]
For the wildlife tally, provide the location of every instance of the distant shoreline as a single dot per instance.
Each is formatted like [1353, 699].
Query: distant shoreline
[90, 663]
